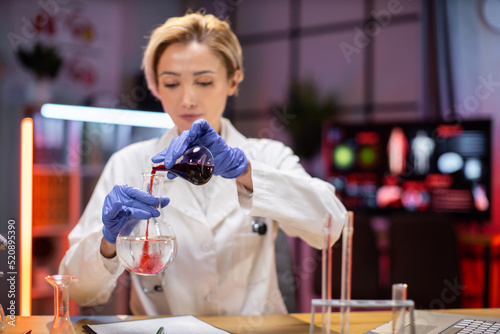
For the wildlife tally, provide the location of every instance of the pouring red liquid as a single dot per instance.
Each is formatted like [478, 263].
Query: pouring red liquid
[195, 166]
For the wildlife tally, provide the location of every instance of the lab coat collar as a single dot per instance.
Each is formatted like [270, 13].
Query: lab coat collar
[232, 136]
[228, 132]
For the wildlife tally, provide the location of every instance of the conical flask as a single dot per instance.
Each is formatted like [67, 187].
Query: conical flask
[196, 166]
[62, 322]
[147, 247]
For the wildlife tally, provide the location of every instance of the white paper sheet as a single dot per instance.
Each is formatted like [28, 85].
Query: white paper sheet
[181, 324]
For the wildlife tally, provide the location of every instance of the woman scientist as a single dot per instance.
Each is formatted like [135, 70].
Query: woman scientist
[192, 64]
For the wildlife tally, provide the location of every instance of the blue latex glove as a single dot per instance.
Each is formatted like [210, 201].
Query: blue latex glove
[229, 162]
[124, 203]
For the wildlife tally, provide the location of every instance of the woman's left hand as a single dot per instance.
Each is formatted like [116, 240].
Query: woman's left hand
[229, 162]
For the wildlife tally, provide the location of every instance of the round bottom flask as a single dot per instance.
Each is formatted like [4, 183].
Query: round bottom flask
[147, 247]
[196, 166]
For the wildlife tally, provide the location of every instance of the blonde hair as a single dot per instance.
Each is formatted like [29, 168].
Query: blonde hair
[202, 28]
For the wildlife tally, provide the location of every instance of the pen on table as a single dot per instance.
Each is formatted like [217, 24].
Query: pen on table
[160, 330]
[27, 332]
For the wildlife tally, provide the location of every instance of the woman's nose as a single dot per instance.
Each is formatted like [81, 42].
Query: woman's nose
[188, 98]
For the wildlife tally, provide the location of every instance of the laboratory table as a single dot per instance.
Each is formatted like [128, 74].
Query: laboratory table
[360, 322]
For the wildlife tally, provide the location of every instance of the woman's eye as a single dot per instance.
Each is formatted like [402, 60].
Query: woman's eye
[207, 83]
[171, 85]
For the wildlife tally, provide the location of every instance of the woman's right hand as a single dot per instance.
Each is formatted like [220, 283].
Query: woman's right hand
[124, 203]
[229, 162]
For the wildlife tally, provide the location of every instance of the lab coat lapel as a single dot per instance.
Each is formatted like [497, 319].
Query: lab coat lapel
[165, 140]
[183, 200]
[223, 198]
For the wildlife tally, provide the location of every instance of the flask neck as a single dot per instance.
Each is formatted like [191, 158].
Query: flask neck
[152, 183]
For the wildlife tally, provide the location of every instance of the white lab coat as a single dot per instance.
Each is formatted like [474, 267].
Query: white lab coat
[221, 267]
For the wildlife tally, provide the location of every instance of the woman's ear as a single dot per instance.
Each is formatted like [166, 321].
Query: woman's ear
[234, 81]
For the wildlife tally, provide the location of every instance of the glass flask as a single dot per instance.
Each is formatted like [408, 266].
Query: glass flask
[196, 166]
[147, 247]
[62, 322]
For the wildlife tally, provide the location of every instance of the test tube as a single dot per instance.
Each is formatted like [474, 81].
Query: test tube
[345, 287]
[326, 273]
[398, 312]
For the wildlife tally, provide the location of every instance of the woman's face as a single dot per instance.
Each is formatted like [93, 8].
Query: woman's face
[193, 84]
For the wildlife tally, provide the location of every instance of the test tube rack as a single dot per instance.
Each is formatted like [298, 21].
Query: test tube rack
[398, 303]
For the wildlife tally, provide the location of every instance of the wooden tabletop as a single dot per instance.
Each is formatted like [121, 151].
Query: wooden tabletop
[360, 322]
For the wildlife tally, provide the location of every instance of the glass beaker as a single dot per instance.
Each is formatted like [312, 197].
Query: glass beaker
[147, 247]
[62, 322]
[196, 166]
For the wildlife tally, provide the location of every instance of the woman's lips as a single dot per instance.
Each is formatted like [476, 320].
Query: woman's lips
[190, 117]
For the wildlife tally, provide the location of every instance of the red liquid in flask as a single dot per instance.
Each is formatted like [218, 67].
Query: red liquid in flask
[149, 264]
[196, 173]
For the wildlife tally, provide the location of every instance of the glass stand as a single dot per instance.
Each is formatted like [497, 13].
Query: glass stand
[62, 322]
[398, 303]
[365, 304]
